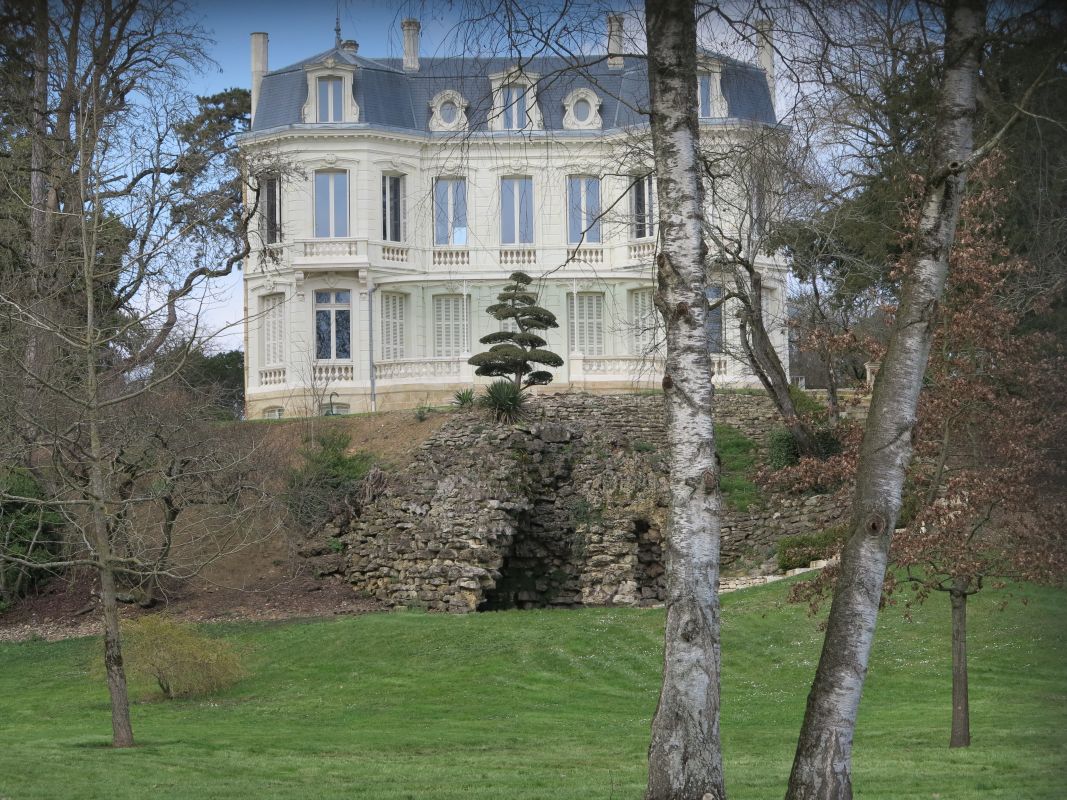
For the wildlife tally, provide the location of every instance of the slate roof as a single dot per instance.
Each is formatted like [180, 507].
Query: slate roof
[389, 97]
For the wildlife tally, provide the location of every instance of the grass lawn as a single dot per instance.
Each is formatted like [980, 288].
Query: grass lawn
[738, 454]
[529, 705]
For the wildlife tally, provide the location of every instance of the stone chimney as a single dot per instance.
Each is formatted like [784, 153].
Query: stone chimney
[411, 28]
[350, 46]
[615, 41]
[765, 45]
[259, 67]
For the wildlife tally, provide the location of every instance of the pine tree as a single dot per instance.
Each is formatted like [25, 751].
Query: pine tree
[512, 354]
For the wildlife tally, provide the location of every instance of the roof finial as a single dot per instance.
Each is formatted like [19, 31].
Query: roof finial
[337, 27]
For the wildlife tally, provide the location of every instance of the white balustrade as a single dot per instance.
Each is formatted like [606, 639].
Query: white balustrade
[642, 251]
[398, 255]
[719, 365]
[326, 373]
[418, 368]
[587, 254]
[330, 248]
[272, 377]
[451, 258]
[628, 366]
[517, 256]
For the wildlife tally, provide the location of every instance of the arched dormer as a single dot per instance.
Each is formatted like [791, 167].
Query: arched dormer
[515, 106]
[582, 110]
[448, 111]
[330, 96]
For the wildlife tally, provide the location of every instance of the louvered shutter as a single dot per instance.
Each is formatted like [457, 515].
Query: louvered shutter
[392, 326]
[449, 333]
[644, 322]
[273, 330]
[587, 324]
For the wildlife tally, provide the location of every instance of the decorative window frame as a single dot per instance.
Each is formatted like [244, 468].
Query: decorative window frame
[572, 123]
[331, 68]
[718, 107]
[515, 76]
[460, 123]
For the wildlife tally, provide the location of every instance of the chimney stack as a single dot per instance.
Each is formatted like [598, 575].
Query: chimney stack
[411, 28]
[765, 46]
[259, 67]
[615, 41]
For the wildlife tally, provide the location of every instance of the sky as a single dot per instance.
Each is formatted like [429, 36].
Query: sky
[297, 29]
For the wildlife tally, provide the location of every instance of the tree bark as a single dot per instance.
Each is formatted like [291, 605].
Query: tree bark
[684, 757]
[961, 712]
[822, 765]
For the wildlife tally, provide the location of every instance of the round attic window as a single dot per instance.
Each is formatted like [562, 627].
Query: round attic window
[448, 112]
[582, 110]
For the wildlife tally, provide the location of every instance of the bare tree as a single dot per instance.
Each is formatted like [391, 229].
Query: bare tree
[135, 203]
[822, 767]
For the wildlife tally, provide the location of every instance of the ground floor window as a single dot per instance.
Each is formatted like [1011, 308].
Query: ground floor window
[449, 325]
[393, 318]
[271, 309]
[643, 321]
[714, 320]
[333, 324]
[586, 317]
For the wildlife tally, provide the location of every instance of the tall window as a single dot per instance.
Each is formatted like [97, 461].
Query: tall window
[516, 210]
[644, 207]
[330, 107]
[393, 208]
[514, 105]
[331, 203]
[583, 209]
[643, 315]
[586, 312]
[450, 211]
[392, 326]
[714, 320]
[449, 325]
[271, 310]
[270, 209]
[710, 98]
[333, 324]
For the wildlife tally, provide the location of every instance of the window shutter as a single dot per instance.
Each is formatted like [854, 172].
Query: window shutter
[587, 324]
[644, 322]
[273, 330]
[449, 333]
[392, 326]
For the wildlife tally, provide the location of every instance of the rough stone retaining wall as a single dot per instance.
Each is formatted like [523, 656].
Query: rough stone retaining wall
[567, 509]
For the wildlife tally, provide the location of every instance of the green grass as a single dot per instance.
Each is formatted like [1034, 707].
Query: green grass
[540, 705]
[738, 454]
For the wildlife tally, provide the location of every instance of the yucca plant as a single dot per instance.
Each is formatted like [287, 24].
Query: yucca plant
[505, 400]
[464, 398]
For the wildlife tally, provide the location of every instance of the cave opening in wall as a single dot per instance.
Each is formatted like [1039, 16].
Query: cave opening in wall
[536, 570]
[651, 576]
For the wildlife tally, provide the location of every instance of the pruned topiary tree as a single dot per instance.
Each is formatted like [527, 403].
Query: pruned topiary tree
[513, 353]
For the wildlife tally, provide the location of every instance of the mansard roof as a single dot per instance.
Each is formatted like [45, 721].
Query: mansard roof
[388, 96]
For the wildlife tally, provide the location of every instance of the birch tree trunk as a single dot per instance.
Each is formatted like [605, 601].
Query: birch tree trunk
[822, 765]
[684, 757]
[961, 712]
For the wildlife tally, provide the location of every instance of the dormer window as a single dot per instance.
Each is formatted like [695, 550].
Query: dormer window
[712, 100]
[582, 110]
[330, 107]
[330, 96]
[448, 111]
[514, 102]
